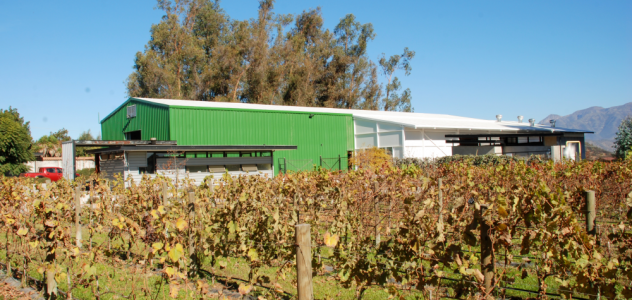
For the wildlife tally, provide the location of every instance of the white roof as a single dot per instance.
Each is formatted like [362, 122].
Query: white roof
[406, 119]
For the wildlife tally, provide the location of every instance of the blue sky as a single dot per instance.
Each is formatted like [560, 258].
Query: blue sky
[64, 63]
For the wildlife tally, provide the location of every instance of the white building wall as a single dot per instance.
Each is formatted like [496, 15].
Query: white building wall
[80, 163]
[405, 142]
[427, 143]
[369, 134]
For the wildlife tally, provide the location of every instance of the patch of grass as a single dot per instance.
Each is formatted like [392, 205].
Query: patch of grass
[120, 276]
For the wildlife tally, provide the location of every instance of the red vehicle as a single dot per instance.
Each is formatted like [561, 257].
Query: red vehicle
[51, 173]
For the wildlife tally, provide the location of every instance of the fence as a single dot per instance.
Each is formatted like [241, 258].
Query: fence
[295, 165]
[331, 164]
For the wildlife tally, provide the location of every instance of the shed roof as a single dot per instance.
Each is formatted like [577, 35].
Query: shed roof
[406, 119]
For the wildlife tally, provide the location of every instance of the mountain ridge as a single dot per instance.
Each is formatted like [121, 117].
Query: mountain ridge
[604, 122]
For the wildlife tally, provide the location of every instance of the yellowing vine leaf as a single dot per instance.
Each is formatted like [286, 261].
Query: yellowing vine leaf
[245, 289]
[157, 246]
[181, 224]
[252, 253]
[502, 212]
[331, 240]
[22, 231]
[231, 227]
[476, 273]
[176, 252]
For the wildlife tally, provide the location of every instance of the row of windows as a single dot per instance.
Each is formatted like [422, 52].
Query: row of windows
[213, 154]
[217, 168]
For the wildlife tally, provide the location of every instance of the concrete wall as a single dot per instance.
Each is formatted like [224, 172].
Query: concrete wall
[80, 163]
[172, 168]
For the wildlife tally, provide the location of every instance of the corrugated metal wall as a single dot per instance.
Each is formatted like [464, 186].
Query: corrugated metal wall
[326, 135]
[151, 119]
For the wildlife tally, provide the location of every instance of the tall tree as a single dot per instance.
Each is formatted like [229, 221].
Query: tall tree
[393, 101]
[85, 136]
[197, 52]
[307, 49]
[170, 66]
[15, 143]
[353, 38]
[623, 139]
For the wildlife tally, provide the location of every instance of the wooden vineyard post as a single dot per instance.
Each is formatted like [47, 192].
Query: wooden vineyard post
[296, 209]
[78, 215]
[377, 218]
[440, 223]
[49, 273]
[194, 266]
[304, 262]
[164, 194]
[212, 188]
[487, 254]
[591, 213]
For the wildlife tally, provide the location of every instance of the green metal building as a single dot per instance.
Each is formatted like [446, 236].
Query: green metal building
[322, 138]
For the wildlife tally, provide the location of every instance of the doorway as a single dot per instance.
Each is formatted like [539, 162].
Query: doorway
[133, 135]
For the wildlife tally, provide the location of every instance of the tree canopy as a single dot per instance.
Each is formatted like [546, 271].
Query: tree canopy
[623, 139]
[50, 145]
[197, 52]
[86, 136]
[15, 142]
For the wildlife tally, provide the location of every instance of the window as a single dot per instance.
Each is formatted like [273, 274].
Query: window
[216, 154]
[170, 155]
[216, 169]
[233, 168]
[59, 170]
[264, 167]
[195, 169]
[142, 170]
[196, 154]
[249, 168]
[131, 111]
[51, 170]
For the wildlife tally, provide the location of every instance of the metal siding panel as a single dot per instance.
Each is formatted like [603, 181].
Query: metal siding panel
[202, 126]
[68, 160]
[151, 120]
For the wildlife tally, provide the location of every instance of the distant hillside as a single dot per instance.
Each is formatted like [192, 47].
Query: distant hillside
[603, 121]
[595, 153]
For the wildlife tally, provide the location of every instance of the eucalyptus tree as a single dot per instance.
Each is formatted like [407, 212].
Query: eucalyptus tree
[353, 37]
[197, 52]
[393, 100]
[172, 61]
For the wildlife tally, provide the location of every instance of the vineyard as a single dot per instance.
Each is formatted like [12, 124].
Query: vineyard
[453, 230]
